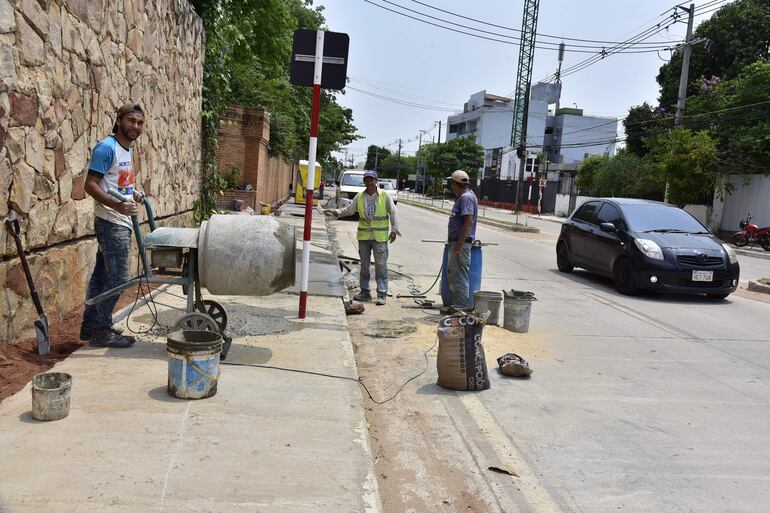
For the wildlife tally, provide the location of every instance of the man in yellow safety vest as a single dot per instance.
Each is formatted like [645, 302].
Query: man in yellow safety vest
[377, 225]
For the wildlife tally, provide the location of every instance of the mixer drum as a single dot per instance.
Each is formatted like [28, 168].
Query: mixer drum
[246, 255]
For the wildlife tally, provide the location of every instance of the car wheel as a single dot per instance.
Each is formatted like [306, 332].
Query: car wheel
[624, 278]
[562, 259]
[718, 296]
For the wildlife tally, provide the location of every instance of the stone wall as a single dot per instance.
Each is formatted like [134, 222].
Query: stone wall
[65, 68]
[244, 137]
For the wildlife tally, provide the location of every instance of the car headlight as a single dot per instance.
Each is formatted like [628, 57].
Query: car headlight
[649, 248]
[731, 254]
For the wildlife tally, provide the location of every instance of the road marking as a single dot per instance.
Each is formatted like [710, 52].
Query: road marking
[530, 486]
[640, 316]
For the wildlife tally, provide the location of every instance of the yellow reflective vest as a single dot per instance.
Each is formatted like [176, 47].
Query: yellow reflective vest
[378, 227]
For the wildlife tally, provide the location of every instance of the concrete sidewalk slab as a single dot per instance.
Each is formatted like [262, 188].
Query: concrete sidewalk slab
[268, 441]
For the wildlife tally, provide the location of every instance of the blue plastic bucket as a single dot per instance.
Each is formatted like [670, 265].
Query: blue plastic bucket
[193, 363]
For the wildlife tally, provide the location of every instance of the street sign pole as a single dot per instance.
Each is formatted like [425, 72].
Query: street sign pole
[315, 111]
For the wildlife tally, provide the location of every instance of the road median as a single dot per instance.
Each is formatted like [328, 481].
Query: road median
[515, 227]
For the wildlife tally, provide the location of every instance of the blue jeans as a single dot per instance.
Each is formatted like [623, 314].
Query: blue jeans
[458, 275]
[380, 249]
[111, 270]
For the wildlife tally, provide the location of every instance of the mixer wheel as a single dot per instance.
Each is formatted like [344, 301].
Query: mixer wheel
[198, 322]
[216, 311]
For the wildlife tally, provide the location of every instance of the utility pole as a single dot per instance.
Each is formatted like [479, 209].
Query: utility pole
[683, 77]
[439, 132]
[377, 159]
[398, 169]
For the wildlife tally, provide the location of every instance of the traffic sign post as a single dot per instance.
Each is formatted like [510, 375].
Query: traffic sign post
[312, 49]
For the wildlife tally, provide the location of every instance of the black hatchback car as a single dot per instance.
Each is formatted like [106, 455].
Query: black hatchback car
[644, 244]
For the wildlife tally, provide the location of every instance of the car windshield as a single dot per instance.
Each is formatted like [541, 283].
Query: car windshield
[659, 218]
[386, 185]
[353, 180]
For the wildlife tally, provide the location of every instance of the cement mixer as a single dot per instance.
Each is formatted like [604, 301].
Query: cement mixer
[234, 255]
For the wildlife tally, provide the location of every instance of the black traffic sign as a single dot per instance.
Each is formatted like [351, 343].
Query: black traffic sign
[335, 60]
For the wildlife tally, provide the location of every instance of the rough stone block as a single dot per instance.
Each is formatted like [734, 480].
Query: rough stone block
[5, 183]
[79, 71]
[20, 198]
[43, 188]
[89, 11]
[85, 217]
[36, 15]
[41, 220]
[66, 219]
[30, 44]
[75, 159]
[35, 144]
[65, 187]
[7, 21]
[78, 187]
[94, 52]
[67, 137]
[72, 39]
[58, 159]
[55, 30]
[23, 109]
[49, 165]
[14, 143]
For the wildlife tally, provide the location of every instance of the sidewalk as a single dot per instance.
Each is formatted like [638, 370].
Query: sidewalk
[268, 441]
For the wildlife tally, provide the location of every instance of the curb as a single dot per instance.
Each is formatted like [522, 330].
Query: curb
[755, 254]
[481, 220]
[755, 286]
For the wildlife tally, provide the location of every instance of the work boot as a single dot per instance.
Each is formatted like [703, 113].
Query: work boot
[363, 296]
[380, 301]
[86, 332]
[108, 338]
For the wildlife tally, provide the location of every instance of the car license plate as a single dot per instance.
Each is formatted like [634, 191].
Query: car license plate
[703, 276]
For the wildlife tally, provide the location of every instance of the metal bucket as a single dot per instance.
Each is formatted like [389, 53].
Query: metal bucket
[246, 255]
[51, 395]
[193, 363]
[486, 301]
[517, 307]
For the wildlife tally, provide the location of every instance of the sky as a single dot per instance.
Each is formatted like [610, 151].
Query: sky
[397, 57]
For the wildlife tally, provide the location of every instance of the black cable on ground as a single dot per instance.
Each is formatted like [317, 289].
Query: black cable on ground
[347, 378]
[415, 291]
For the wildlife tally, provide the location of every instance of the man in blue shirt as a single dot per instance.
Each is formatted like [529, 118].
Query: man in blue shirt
[111, 166]
[461, 234]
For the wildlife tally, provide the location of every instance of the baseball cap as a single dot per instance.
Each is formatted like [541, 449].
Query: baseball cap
[372, 174]
[460, 176]
[128, 109]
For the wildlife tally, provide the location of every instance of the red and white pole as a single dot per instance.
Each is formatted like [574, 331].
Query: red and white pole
[315, 111]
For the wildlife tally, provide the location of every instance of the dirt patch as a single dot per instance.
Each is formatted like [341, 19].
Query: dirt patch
[19, 361]
[389, 329]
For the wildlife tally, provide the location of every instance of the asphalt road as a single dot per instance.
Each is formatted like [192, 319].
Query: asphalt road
[639, 404]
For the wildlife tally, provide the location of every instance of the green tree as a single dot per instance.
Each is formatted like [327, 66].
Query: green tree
[587, 171]
[641, 122]
[627, 176]
[688, 161]
[737, 114]
[374, 156]
[738, 35]
[389, 167]
[459, 153]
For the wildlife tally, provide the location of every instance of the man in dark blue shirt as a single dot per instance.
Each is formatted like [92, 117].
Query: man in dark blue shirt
[461, 234]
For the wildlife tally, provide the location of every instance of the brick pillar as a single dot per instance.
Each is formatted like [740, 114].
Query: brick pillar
[244, 133]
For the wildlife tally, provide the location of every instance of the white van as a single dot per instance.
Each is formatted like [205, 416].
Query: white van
[351, 183]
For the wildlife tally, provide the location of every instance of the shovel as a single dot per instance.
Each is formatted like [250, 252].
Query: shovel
[41, 325]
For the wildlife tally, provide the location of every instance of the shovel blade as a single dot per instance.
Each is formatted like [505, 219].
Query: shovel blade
[43, 342]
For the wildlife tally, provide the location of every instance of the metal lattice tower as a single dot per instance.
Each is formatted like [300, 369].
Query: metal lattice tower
[524, 72]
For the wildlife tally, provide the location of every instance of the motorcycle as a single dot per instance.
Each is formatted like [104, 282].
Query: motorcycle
[751, 234]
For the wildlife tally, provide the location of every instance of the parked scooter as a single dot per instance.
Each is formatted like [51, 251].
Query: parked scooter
[751, 234]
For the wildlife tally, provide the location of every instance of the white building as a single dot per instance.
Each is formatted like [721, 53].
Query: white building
[565, 134]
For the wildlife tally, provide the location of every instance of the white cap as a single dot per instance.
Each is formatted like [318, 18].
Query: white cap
[460, 176]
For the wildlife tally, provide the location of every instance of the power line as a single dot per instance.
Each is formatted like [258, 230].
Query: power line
[398, 101]
[472, 34]
[513, 29]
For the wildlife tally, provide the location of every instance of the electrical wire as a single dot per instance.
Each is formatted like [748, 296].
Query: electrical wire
[479, 36]
[405, 103]
[346, 378]
[513, 29]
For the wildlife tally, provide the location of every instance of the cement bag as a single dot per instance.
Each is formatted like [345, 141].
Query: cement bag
[461, 363]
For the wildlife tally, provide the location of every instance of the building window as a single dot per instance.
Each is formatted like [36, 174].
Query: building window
[549, 130]
[452, 129]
